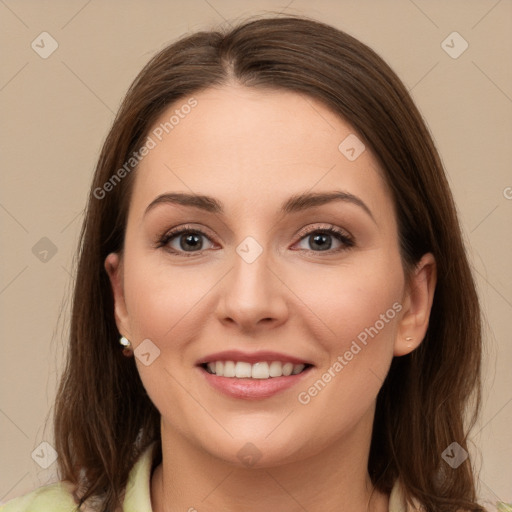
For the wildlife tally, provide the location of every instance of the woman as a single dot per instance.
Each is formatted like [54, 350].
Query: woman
[314, 352]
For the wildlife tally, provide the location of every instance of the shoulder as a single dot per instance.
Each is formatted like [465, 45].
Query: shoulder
[397, 502]
[57, 497]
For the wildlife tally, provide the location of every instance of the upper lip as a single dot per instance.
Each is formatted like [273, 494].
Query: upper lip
[253, 357]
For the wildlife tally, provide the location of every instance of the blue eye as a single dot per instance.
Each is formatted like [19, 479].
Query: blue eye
[322, 239]
[187, 241]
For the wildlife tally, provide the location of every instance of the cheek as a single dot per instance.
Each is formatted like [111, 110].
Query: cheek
[160, 298]
[350, 299]
[364, 319]
[165, 304]
[361, 306]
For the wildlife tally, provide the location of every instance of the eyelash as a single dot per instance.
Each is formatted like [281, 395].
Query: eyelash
[346, 240]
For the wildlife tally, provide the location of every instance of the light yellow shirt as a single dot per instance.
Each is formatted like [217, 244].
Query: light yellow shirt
[58, 497]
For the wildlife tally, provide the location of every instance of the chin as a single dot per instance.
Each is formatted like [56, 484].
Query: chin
[257, 452]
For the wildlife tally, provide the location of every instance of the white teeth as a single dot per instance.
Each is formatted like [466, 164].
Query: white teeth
[297, 368]
[260, 370]
[229, 369]
[287, 369]
[242, 370]
[275, 369]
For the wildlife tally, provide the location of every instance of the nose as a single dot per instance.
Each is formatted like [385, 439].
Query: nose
[253, 295]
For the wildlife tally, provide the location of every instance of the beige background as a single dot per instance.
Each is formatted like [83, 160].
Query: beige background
[56, 112]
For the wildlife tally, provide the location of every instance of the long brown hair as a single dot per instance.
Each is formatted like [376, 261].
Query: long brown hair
[430, 398]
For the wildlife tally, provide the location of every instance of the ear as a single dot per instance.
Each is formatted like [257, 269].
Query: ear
[114, 267]
[417, 304]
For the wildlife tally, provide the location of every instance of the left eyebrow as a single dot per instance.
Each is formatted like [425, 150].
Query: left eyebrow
[307, 200]
[294, 204]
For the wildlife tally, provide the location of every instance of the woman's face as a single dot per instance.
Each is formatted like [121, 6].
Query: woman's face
[255, 278]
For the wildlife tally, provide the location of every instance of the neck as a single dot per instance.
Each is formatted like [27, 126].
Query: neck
[335, 479]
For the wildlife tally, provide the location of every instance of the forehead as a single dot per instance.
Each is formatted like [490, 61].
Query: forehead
[255, 146]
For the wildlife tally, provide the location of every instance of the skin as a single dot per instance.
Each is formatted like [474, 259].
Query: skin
[253, 149]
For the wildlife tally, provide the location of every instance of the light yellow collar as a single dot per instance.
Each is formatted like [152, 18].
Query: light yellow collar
[138, 488]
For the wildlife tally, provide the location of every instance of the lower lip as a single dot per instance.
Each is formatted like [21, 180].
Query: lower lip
[252, 389]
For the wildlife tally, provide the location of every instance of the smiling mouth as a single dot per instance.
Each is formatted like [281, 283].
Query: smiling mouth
[260, 370]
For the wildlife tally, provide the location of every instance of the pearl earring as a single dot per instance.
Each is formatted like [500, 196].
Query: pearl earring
[127, 351]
